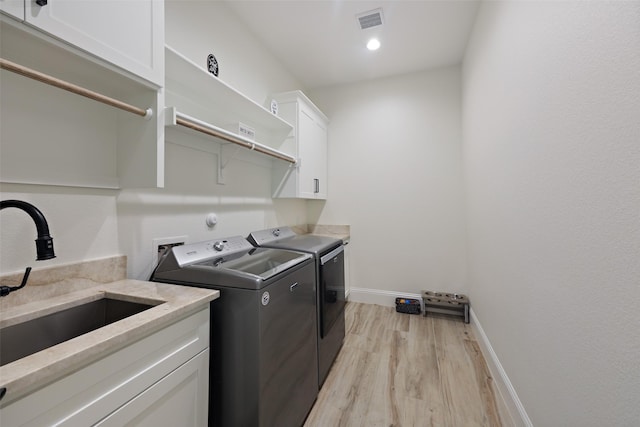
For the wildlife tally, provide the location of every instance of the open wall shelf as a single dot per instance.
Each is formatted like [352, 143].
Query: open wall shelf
[200, 97]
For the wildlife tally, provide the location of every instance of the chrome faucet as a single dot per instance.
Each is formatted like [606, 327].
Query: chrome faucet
[44, 242]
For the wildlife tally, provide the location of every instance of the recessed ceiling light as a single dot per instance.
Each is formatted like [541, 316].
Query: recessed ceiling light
[373, 44]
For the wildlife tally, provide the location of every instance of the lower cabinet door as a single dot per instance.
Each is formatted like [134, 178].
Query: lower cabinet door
[179, 399]
[14, 8]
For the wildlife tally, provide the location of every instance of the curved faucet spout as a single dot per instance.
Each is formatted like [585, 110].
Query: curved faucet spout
[44, 242]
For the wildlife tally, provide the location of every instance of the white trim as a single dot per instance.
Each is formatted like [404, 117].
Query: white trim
[507, 393]
[379, 297]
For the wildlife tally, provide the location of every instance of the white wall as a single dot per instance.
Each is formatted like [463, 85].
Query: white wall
[82, 223]
[89, 224]
[552, 161]
[395, 175]
[197, 28]
[243, 203]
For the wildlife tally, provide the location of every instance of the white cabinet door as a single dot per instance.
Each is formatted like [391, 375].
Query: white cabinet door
[126, 33]
[307, 152]
[313, 152]
[179, 399]
[318, 140]
[14, 8]
[309, 179]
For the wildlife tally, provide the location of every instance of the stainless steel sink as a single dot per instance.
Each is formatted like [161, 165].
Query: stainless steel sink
[23, 339]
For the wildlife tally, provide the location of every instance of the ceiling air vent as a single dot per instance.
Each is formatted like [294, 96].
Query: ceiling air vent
[373, 18]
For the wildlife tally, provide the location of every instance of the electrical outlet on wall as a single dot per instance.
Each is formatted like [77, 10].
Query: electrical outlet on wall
[161, 244]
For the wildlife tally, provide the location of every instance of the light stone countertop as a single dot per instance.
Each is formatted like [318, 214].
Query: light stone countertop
[342, 232]
[346, 238]
[26, 375]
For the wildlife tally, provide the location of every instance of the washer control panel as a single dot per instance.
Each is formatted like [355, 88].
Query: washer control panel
[201, 251]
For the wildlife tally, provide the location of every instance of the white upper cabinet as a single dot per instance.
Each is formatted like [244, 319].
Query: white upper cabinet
[128, 34]
[51, 136]
[308, 143]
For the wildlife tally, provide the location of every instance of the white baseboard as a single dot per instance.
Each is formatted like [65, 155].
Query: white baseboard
[379, 297]
[507, 393]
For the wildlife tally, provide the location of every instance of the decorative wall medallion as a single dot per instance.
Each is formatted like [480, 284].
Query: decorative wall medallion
[212, 64]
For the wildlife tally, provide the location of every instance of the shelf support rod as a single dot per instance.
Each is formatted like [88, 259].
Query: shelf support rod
[211, 130]
[70, 87]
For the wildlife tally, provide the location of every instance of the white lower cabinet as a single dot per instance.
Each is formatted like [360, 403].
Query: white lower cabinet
[14, 8]
[175, 400]
[160, 380]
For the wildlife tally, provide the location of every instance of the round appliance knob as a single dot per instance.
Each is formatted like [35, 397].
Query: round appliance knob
[276, 232]
[218, 246]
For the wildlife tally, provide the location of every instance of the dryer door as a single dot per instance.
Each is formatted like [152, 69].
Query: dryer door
[332, 289]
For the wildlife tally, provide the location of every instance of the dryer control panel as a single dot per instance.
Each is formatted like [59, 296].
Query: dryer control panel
[264, 237]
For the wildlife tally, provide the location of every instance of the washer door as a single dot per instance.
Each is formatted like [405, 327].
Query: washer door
[264, 263]
[289, 355]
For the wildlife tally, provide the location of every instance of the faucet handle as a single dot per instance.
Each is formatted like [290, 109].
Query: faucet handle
[6, 290]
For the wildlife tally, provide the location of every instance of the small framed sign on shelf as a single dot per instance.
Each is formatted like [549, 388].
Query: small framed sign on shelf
[212, 65]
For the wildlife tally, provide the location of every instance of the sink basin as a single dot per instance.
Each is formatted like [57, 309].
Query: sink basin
[23, 339]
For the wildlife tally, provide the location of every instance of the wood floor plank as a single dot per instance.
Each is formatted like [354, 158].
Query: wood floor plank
[425, 367]
[406, 370]
[485, 384]
[457, 377]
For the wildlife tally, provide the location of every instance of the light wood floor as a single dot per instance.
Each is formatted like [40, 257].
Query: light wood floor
[406, 370]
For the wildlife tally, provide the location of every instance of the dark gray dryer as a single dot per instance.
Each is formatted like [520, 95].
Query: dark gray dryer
[263, 346]
[328, 253]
